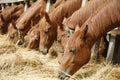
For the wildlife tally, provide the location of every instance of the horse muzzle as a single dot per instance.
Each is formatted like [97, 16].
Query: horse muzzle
[63, 76]
[44, 51]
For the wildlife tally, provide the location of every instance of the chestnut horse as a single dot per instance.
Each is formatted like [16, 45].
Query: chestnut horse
[33, 37]
[81, 15]
[49, 23]
[8, 14]
[23, 24]
[77, 52]
[33, 34]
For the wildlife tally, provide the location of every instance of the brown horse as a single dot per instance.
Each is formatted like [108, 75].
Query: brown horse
[77, 52]
[49, 23]
[33, 34]
[78, 18]
[23, 24]
[18, 12]
[83, 13]
[33, 37]
[8, 14]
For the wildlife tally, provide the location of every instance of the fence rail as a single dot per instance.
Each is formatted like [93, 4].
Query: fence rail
[115, 31]
[10, 1]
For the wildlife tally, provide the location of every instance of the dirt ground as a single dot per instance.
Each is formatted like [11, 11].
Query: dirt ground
[18, 63]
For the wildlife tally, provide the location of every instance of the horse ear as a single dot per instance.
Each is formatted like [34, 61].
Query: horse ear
[84, 31]
[64, 20]
[47, 17]
[77, 28]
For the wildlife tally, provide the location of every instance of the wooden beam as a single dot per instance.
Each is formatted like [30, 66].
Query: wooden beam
[115, 31]
[10, 1]
[113, 54]
[116, 55]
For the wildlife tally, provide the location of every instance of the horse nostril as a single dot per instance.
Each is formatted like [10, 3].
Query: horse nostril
[63, 76]
[11, 37]
[59, 62]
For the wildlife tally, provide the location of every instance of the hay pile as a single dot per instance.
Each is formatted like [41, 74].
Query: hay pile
[93, 71]
[17, 63]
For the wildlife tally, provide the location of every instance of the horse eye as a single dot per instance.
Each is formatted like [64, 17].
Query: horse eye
[11, 37]
[72, 50]
[36, 39]
[46, 31]
[59, 62]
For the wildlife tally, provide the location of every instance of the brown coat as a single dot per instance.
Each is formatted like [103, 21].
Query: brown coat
[33, 37]
[77, 52]
[9, 14]
[24, 21]
[50, 22]
[81, 15]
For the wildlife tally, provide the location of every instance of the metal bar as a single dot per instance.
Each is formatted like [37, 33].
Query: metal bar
[10, 1]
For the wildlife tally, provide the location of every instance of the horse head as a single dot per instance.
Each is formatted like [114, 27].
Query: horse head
[76, 54]
[2, 22]
[33, 38]
[14, 34]
[48, 33]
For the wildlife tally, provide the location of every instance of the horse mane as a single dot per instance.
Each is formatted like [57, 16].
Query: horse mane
[26, 17]
[81, 15]
[103, 20]
[18, 12]
[64, 10]
[55, 5]
[7, 13]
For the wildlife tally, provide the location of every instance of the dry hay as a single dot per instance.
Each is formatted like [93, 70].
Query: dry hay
[17, 63]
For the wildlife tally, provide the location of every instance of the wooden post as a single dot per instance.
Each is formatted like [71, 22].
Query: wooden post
[111, 48]
[84, 2]
[3, 7]
[12, 4]
[26, 5]
[48, 5]
[116, 55]
[113, 55]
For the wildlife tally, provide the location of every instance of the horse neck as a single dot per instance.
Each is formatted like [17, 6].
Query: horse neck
[65, 10]
[56, 16]
[84, 13]
[105, 20]
[26, 17]
[8, 12]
